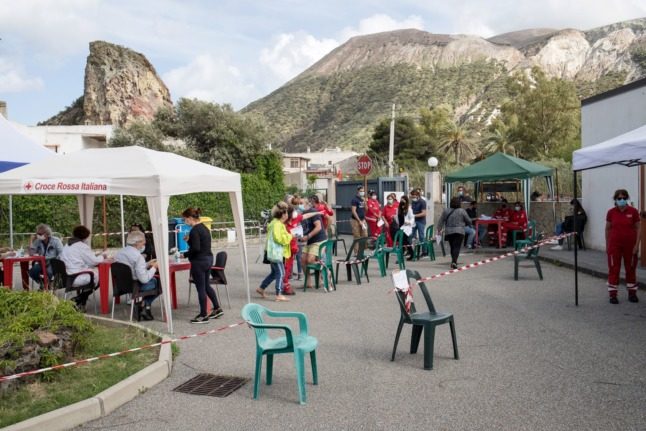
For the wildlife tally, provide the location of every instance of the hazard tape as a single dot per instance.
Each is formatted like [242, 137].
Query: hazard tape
[112, 355]
[496, 258]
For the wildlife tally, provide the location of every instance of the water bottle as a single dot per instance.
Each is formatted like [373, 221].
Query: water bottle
[177, 256]
[21, 252]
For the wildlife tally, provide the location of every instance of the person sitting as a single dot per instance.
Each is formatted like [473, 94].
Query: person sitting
[517, 221]
[502, 213]
[144, 273]
[567, 225]
[463, 196]
[44, 244]
[78, 256]
[470, 231]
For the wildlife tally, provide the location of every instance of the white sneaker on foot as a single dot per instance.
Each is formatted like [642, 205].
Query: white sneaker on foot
[558, 247]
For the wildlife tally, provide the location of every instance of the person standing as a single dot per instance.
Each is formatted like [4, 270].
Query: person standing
[358, 209]
[44, 244]
[418, 205]
[278, 240]
[313, 234]
[453, 220]
[622, 242]
[406, 221]
[390, 218]
[325, 209]
[373, 214]
[142, 272]
[201, 257]
[297, 204]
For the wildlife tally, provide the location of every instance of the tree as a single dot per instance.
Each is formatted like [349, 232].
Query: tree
[548, 114]
[457, 140]
[410, 141]
[501, 137]
[433, 122]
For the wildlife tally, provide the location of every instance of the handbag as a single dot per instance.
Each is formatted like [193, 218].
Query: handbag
[264, 258]
[274, 251]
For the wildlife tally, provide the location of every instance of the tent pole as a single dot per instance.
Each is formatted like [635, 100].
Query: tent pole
[123, 230]
[576, 246]
[11, 221]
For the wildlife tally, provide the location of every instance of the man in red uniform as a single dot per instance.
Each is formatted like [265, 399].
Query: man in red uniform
[517, 221]
[622, 242]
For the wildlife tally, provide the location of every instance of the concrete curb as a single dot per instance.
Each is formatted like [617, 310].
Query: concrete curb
[107, 401]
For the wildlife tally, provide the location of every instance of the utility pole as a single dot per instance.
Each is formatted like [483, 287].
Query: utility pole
[391, 146]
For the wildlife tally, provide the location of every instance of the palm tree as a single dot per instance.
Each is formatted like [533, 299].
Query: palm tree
[501, 138]
[456, 139]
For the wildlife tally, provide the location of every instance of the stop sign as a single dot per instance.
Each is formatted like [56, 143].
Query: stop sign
[364, 165]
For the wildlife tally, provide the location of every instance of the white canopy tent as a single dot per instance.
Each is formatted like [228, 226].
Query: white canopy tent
[17, 149]
[131, 171]
[627, 149]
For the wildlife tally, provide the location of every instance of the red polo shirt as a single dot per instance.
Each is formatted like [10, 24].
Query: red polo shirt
[622, 224]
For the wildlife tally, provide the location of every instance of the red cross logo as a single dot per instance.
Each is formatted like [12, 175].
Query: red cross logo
[28, 186]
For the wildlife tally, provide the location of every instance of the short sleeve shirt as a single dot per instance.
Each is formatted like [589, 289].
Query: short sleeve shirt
[417, 207]
[622, 223]
[360, 205]
[308, 226]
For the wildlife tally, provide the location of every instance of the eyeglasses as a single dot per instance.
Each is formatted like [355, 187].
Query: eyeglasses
[622, 197]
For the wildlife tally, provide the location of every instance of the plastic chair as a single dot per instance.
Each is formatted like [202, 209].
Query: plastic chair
[217, 278]
[430, 240]
[298, 344]
[123, 283]
[333, 234]
[580, 240]
[323, 266]
[530, 235]
[422, 322]
[397, 249]
[63, 280]
[379, 255]
[352, 263]
[531, 254]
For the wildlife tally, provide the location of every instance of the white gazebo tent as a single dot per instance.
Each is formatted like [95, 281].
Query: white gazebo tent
[17, 149]
[627, 149]
[131, 171]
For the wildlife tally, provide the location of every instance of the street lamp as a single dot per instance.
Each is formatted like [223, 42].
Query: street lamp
[430, 201]
[432, 162]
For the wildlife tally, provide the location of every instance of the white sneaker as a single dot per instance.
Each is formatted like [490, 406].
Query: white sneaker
[558, 247]
[553, 242]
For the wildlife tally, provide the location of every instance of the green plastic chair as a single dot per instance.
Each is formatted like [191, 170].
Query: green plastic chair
[326, 269]
[298, 344]
[423, 322]
[333, 234]
[430, 240]
[530, 236]
[358, 268]
[397, 249]
[531, 255]
[379, 255]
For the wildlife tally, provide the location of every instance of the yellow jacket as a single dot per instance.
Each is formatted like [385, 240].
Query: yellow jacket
[281, 236]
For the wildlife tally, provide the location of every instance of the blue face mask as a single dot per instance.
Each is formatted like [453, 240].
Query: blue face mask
[621, 202]
[301, 207]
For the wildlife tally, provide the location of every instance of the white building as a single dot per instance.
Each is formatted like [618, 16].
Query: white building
[602, 117]
[67, 139]
[323, 165]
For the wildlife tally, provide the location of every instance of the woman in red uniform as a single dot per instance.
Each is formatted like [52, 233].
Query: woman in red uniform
[503, 213]
[390, 217]
[373, 214]
[622, 241]
[517, 221]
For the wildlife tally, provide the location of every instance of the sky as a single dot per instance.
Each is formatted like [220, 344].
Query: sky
[236, 51]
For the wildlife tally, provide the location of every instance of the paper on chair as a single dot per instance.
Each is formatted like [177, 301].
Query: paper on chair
[400, 280]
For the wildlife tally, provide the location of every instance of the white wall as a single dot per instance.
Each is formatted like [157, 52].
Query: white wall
[68, 139]
[602, 120]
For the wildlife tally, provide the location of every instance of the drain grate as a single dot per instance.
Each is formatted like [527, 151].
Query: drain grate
[211, 385]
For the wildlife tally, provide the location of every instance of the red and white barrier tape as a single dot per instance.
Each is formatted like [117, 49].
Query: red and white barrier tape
[112, 355]
[496, 258]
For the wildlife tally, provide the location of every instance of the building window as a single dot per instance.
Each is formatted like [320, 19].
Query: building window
[52, 147]
[295, 163]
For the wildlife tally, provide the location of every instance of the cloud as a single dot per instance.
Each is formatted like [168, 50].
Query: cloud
[379, 23]
[210, 78]
[294, 52]
[12, 79]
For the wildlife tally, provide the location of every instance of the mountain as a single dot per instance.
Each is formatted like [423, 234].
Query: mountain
[121, 86]
[338, 100]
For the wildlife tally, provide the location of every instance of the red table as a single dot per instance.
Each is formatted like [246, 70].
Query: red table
[498, 221]
[104, 283]
[8, 263]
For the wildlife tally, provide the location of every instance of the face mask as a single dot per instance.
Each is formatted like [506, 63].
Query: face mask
[390, 201]
[517, 208]
[373, 197]
[142, 248]
[362, 194]
[294, 214]
[460, 193]
[415, 199]
[621, 202]
[41, 237]
[301, 207]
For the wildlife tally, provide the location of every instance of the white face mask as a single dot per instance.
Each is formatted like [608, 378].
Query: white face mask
[41, 237]
[517, 208]
[294, 214]
[390, 201]
[142, 248]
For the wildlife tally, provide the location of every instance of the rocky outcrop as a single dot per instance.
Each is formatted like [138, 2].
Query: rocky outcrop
[121, 86]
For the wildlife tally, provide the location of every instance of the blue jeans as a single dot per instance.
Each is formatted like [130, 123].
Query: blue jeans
[420, 227]
[150, 285]
[297, 257]
[471, 234]
[277, 273]
[35, 272]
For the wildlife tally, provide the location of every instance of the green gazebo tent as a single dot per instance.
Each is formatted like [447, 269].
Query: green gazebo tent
[500, 167]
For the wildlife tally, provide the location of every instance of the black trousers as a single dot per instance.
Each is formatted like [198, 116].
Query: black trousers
[455, 242]
[201, 272]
